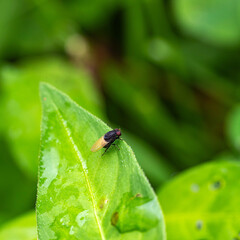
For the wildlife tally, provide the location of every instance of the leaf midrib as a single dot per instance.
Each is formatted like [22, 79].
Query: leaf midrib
[79, 156]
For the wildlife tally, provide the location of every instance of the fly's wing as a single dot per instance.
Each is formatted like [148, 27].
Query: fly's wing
[100, 143]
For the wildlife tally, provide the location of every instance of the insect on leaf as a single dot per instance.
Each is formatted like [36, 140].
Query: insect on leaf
[82, 195]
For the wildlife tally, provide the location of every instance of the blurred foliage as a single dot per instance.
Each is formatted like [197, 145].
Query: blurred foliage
[148, 113]
[22, 228]
[156, 167]
[233, 128]
[194, 203]
[194, 18]
[166, 72]
[17, 191]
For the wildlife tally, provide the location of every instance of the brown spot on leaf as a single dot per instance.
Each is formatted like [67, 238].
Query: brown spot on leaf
[114, 218]
[138, 195]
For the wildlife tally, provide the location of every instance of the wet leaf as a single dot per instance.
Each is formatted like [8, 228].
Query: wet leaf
[21, 105]
[22, 228]
[203, 202]
[131, 211]
[80, 193]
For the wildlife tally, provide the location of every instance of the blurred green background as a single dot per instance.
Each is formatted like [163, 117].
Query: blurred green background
[165, 72]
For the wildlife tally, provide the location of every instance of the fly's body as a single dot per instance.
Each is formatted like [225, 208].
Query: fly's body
[107, 140]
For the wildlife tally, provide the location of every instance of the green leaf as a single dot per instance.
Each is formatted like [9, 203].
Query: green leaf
[91, 16]
[233, 127]
[17, 192]
[84, 195]
[203, 202]
[166, 54]
[21, 111]
[22, 228]
[214, 21]
[33, 27]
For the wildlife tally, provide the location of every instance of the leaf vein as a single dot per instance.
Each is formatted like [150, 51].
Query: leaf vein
[83, 163]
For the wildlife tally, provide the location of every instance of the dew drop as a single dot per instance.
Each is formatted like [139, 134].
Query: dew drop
[216, 185]
[199, 224]
[82, 218]
[71, 231]
[65, 220]
[195, 187]
[224, 170]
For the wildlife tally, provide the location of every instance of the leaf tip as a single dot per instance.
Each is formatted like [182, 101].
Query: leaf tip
[43, 87]
[45, 90]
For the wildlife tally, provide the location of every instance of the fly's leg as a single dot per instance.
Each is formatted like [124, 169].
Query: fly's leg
[106, 149]
[116, 146]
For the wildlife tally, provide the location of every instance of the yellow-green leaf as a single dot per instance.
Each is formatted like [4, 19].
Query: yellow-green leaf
[84, 195]
[203, 202]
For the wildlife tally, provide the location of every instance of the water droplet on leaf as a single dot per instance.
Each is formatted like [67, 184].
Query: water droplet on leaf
[82, 218]
[71, 232]
[195, 187]
[216, 185]
[199, 224]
